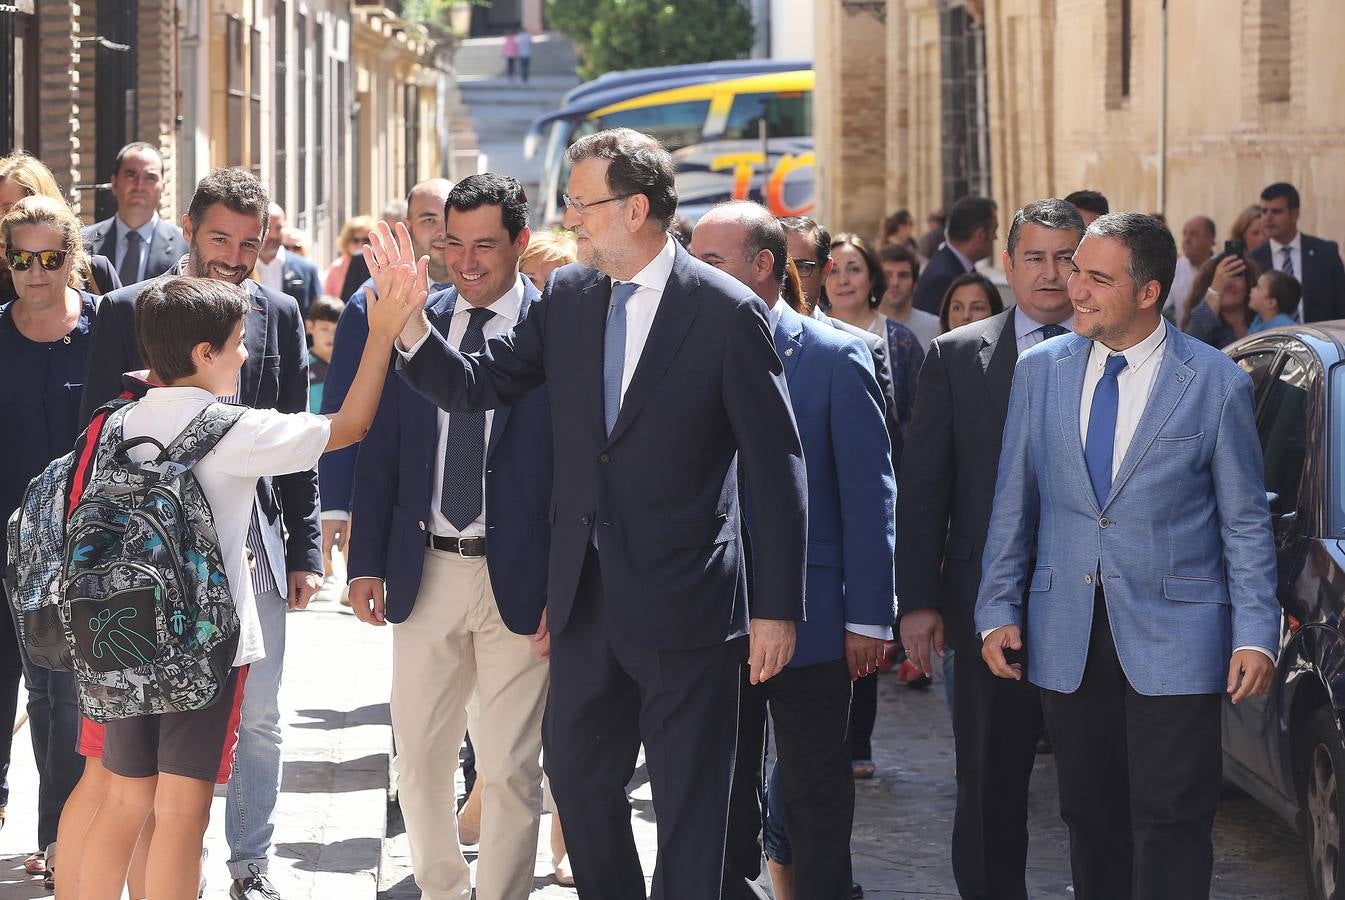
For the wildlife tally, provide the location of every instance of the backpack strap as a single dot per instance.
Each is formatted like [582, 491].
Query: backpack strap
[198, 438]
[107, 418]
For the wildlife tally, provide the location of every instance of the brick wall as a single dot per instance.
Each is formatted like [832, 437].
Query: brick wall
[58, 112]
[157, 92]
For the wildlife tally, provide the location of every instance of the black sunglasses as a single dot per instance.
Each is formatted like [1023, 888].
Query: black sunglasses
[22, 260]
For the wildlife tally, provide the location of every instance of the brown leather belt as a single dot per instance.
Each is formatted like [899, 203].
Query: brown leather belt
[470, 547]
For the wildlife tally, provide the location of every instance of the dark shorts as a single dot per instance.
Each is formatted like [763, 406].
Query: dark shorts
[198, 744]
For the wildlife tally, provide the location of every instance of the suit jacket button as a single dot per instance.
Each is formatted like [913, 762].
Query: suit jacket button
[605, 458]
[585, 520]
[1088, 579]
[421, 525]
[1103, 522]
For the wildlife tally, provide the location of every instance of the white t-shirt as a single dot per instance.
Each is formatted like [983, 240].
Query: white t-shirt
[262, 442]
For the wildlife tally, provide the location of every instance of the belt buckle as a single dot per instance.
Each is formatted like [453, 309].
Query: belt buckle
[463, 552]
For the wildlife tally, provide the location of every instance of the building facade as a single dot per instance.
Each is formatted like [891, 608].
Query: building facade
[1184, 107]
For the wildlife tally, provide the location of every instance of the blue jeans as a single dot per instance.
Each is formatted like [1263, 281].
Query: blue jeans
[250, 810]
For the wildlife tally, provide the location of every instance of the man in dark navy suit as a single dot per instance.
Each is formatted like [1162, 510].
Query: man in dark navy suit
[225, 225]
[452, 549]
[662, 385]
[1313, 261]
[851, 495]
[139, 243]
[285, 272]
[973, 225]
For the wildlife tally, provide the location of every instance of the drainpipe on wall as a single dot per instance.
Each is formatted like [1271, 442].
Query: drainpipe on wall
[1163, 109]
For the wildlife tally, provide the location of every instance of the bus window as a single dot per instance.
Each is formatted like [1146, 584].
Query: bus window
[675, 125]
[787, 115]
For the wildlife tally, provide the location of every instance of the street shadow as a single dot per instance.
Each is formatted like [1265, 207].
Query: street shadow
[640, 801]
[332, 719]
[16, 884]
[308, 776]
[345, 857]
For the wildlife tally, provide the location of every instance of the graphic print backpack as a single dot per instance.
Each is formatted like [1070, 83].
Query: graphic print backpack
[146, 603]
[36, 533]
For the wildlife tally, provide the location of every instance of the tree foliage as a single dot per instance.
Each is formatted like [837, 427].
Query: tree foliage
[613, 35]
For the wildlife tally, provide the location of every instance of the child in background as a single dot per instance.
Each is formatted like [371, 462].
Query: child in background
[321, 326]
[1274, 300]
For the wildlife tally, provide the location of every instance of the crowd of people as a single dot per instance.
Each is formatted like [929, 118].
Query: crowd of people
[614, 464]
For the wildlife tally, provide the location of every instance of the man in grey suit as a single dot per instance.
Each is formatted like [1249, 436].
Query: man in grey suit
[139, 243]
[1130, 504]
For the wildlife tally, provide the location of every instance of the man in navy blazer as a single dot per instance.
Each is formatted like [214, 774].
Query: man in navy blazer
[1314, 262]
[851, 496]
[662, 387]
[285, 272]
[139, 243]
[225, 225]
[416, 562]
[973, 225]
[1130, 505]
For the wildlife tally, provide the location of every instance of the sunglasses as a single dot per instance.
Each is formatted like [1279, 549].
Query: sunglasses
[22, 260]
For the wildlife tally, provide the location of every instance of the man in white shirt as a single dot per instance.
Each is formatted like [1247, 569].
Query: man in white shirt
[903, 272]
[453, 508]
[1130, 505]
[282, 271]
[1198, 236]
[1313, 261]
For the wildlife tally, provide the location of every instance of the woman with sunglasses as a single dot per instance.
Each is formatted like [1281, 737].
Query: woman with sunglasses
[22, 176]
[44, 347]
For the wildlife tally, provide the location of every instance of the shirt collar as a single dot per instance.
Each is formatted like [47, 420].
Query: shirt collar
[180, 392]
[506, 307]
[1024, 324]
[966, 263]
[773, 314]
[1297, 243]
[277, 262]
[656, 273]
[1138, 355]
[146, 231]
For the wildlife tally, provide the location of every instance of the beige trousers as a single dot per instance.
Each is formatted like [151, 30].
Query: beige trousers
[454, 643]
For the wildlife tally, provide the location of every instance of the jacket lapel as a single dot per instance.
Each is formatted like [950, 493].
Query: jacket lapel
[1070, 372]
[160, 252]
[108, 242]
[676, 311]
[591, 322]
[249, 380]
[998, 355]
[1174, 377]
[789, 340]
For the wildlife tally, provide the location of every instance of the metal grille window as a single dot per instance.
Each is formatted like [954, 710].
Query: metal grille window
[412, 136]
[255, 102]
[965, 126]
[301, 59]
[320, 120]
[235, 99]
[281, 94]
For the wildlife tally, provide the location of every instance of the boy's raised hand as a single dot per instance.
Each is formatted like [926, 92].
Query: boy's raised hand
[401, 282]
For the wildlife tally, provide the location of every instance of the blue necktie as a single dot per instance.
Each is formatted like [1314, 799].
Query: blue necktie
[1102, 429]
[1050, 331]
[614, 352]
[465, 445]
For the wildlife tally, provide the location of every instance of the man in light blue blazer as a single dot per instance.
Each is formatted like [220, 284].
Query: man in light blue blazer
[1130, 503]
[838, 407]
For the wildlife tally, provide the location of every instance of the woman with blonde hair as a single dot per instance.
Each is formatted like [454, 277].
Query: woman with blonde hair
[44, 347]
[547, 251]
[22, 176]
[354, 235]
[1247, 228]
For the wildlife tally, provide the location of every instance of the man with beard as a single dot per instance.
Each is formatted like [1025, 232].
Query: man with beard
[943, 511]
[224, 226]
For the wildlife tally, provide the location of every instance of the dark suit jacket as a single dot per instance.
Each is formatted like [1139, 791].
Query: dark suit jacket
[275, 376]
[167, 247]
[660, 494]
[301, 281]
[934, 279]
[1323, 277]
[394, 487]
[948, 470]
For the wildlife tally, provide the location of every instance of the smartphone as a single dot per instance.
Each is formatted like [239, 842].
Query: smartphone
[1235, 248]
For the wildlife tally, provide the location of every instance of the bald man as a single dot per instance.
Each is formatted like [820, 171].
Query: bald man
[282, 271]
[1197, 249]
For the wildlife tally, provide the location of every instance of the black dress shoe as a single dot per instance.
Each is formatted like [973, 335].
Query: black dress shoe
[856, 890]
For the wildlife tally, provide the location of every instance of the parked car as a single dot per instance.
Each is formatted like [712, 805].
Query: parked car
[1285, 749]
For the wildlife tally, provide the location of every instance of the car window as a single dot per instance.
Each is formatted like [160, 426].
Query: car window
[675, 125]
[1283, 429]
[1258, 365]
[787, 115]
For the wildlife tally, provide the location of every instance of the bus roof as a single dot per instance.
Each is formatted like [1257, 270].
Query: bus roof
[614, 87]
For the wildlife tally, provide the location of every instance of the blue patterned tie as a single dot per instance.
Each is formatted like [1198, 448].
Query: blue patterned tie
[614, 352]
[465, 446]
[1102, 429]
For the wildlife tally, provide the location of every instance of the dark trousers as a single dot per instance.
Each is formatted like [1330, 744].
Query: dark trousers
[995, 728]
[809, 706]
[863, 716]
[607, 696]
[11, 670]
[1139, 781]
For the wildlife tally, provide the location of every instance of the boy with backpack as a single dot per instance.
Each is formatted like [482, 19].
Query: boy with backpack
[191, 335]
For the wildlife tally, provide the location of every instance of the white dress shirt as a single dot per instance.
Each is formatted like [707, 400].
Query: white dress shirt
[1182, 279]
[880, 632]
[1027, 330]
[1295, 248]
[272, 274]
[642, 307]
[1134, 384]
[146, 232]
